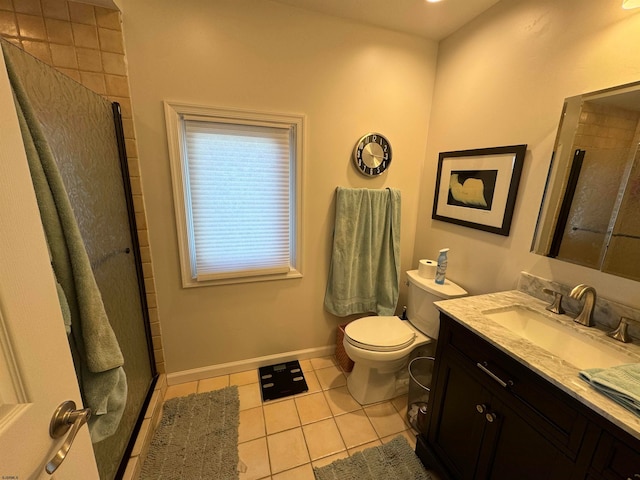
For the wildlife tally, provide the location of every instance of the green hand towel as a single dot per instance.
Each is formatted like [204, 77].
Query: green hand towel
[620, 383]
[365, 264]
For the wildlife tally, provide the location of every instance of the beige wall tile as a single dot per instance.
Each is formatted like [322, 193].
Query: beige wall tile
[89, 60]
[58, 31]
[8, 24]
[31, 26]
[114, 63]
[82, 13]
[131, 147]
[156, 340]
[118, 86]
[108, 18]
[32, 7]
[141, 220]
[64, 56]
[150, 286]
[6, 5]
[55, 9]
[125, 105]
[152, 300]
[127, 125]
[40, 50]
[71, 73]
[110, 40]
[85, 35]
[147, 269]
[94, 82]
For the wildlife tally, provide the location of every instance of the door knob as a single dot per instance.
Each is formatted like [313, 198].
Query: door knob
[64, 418]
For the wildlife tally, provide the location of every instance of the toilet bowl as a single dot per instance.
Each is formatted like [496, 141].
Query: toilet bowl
[380, 346]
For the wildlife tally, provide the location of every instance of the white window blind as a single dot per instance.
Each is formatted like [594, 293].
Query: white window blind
[239, 197]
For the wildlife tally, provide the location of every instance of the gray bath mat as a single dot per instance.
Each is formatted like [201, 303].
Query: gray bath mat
[197, 438]
[393, 460]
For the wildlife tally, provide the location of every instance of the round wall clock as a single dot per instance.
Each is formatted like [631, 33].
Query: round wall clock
[372, 154]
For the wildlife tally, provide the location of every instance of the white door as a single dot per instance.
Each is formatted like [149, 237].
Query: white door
[36, 369]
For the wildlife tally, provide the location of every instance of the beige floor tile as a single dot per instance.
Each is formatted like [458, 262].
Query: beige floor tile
[340, 401]
[287, 450]
[180, 390]
[400, 403]
[304, 472]
[330, 459]
[364, 446]
[250, 396]
[331, 377]
[255, 456]
[323, 362]
[214, 383]
[408, 434]
[244, 378]
[356, 429]
[323, 439]
[385, 419]
[312, 382]
[312, 408]
[280, 416]
[305, 365]
[251, 424]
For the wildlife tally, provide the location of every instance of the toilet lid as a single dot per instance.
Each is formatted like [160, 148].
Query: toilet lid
[381, 334]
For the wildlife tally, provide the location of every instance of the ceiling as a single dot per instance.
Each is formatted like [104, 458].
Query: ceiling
[434, 21]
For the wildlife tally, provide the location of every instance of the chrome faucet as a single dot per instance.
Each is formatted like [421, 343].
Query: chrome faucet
[585, 317]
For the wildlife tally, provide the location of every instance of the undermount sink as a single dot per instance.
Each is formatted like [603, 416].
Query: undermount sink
[560, 340]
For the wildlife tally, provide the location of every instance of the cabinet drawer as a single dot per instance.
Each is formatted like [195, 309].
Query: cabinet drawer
[543, 405]
[615, 460]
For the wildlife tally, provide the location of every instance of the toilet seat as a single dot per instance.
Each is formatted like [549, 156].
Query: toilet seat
[379, 334]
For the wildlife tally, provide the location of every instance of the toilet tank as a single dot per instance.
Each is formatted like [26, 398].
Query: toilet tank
[422, 293]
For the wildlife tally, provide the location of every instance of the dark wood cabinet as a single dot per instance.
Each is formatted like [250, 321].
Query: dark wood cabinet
[490, 417]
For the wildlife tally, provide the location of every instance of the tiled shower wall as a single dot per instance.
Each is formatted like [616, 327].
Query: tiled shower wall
[85, 42]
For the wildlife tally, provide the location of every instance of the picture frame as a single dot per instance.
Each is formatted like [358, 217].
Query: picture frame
[477, 188]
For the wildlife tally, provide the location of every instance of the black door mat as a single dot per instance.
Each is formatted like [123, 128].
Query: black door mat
[282, 380]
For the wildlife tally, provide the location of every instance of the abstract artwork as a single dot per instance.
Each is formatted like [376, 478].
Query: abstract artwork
[477, 188]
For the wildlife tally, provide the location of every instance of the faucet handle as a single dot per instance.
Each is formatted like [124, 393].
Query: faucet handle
[620, 333]
[556, 305]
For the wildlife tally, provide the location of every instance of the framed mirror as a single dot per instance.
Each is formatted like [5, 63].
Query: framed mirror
[590, 213]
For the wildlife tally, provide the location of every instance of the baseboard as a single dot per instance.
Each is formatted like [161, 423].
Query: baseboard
[243, 365]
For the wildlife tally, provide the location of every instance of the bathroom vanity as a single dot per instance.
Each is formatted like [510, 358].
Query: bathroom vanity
[502, 407]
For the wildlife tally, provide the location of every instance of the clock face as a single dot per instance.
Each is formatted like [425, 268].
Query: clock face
[372, 154]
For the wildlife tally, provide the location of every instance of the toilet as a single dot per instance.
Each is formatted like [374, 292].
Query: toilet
[380, 346]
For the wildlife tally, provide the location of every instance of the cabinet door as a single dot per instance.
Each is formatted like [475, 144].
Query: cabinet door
[514, 449]
[458, 421]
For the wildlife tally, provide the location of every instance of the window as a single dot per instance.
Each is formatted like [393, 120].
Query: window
[237, 191]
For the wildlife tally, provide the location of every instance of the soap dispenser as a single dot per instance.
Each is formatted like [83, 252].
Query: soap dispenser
[442, 266]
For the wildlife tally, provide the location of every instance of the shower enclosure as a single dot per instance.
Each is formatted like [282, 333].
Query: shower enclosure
[88, 147]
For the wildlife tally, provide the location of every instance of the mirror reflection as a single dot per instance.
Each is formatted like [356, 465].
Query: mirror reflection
[590, 213]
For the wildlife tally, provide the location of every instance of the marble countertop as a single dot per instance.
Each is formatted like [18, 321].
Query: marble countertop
[468, 312]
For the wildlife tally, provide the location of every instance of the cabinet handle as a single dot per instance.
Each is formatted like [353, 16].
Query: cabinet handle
[483, 366]
[491, 417]
[481, 408]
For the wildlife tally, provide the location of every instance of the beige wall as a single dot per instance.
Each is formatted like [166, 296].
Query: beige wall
[500, 81]
[256, 54]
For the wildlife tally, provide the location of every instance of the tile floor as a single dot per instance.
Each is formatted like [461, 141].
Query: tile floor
[283, 439]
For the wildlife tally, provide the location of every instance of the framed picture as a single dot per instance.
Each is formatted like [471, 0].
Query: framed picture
[477, 188]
